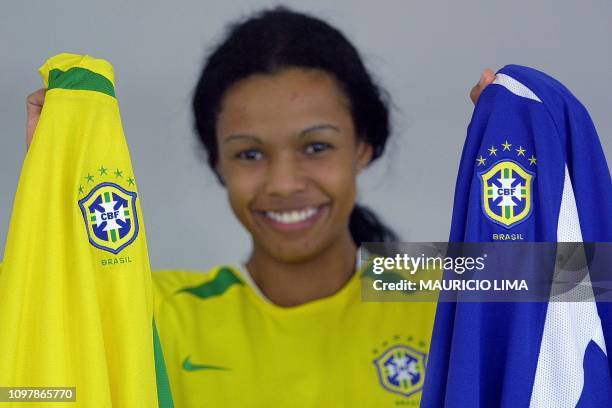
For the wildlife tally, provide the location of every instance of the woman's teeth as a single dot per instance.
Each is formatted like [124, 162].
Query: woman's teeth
[291, 217]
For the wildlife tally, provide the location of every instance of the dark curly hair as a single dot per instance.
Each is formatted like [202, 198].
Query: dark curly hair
[276, 39]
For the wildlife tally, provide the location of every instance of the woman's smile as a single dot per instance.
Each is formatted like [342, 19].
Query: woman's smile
[295, 219]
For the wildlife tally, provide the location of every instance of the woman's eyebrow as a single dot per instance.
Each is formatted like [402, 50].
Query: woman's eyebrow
[243, 137]
[317, 128]
[253, 138]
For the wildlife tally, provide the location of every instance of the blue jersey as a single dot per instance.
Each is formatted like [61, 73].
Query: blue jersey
[532, 169]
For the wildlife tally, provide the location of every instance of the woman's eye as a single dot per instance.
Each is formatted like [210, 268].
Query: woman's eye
[314, 148]
[250, 154]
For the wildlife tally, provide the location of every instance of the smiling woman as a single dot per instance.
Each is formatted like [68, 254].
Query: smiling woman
[289, 116]
[289, 156]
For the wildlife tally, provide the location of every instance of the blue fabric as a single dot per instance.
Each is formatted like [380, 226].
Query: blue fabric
[596, 391]
[486, 354]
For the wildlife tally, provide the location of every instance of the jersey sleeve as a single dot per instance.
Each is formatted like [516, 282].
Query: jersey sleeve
[76, 284]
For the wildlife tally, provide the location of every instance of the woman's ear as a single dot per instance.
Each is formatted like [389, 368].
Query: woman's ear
[364, 154]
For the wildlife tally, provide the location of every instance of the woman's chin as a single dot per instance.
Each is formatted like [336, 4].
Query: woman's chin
[293, 252]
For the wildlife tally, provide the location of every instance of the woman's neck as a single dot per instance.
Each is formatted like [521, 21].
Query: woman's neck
[292, 284]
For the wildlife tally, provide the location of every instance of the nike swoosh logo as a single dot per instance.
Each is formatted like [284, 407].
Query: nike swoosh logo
[188, 366]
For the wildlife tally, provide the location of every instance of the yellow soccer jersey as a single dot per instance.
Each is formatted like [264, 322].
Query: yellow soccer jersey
[76, 295]
[225, 345]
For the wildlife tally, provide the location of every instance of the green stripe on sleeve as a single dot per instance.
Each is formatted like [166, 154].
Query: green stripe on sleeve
[164, 394]
[82, 79]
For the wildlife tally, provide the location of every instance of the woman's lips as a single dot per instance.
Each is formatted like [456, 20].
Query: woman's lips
[294, 219]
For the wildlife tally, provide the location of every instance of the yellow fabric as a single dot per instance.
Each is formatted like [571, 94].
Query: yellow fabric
[320, 354]
[65, 61]
[74, 314]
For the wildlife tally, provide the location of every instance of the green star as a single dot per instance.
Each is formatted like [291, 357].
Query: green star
[481, 161]
[492, 151]
[80, 189]
[102, 170]
[507, 146]
[520, 151]
[130, 181]
[532, 160]
[118, 173]
[89, 178]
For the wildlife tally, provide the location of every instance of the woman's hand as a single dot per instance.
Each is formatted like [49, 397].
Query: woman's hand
[485, 79]
[34, 104]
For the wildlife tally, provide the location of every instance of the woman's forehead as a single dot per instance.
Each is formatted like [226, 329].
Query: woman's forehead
[292, 98]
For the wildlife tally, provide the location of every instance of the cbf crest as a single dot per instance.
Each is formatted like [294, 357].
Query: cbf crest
[401, 370]
[506, 193]
[109, 212]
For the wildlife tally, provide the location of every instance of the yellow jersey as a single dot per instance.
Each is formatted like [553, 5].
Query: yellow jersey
[226, 345]
[76, 295]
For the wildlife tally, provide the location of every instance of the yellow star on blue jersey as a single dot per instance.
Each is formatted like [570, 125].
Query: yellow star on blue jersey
[492, 151]
[507, 146]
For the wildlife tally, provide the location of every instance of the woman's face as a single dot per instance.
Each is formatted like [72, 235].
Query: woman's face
[289, 156]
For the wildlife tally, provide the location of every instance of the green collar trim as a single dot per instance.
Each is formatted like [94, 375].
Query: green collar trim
[224, 279]
[80, 78]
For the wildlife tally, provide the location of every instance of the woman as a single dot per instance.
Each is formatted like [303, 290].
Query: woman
[289, 116]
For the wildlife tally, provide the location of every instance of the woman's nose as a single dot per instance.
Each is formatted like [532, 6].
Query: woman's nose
[284, 177]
